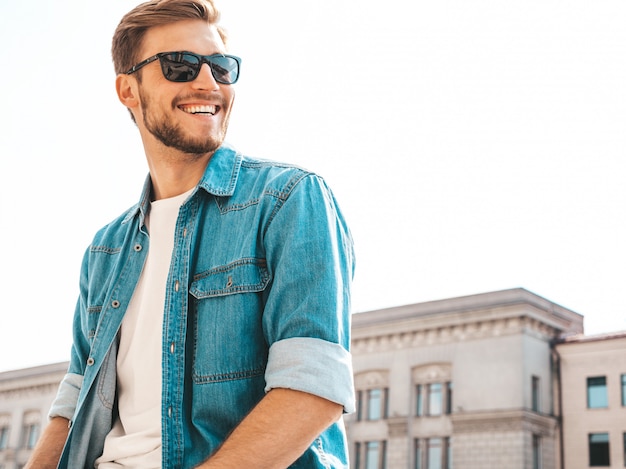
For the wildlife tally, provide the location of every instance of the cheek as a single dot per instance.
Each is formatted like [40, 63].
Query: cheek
[231, 99]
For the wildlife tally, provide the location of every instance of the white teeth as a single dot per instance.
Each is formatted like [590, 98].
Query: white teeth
[199, 109]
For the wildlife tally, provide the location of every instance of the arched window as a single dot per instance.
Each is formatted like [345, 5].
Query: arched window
[30, 429]
[5, 425]
[372, 394]
[433, 390]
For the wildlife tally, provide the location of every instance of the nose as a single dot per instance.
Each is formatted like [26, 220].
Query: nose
[205, 80]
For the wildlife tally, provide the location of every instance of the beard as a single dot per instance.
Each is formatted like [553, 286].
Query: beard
[174, 136]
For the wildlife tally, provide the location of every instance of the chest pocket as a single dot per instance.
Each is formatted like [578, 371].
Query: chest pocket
[244, 275]
[229, 343]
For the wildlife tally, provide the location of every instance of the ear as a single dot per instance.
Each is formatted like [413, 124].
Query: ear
[126, 87]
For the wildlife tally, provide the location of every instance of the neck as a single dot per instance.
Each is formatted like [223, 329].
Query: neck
[175, 173]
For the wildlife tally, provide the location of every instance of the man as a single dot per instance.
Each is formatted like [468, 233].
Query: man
[212, 326]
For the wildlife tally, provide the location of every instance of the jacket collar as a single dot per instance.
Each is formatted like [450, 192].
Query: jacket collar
[220, 176]
[220, 179]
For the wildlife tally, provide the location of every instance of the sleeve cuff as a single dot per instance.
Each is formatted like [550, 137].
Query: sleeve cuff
[65, 401]
[314, 366]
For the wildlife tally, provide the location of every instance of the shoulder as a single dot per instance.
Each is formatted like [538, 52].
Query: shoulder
[264, 167]
[273, 177]
[114, 232]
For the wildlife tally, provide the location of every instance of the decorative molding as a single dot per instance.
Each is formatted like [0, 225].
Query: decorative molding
[422, 335]
[8, 455]
[31, 417]
[28, 392]
[474, 317]
[398, 427]
[371, 379]
[502, 302]
[503, 421]
[433, 372]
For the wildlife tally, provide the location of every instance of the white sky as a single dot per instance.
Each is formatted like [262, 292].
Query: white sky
[473, 145]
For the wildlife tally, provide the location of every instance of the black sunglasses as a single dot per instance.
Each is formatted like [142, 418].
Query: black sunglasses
[185, 66]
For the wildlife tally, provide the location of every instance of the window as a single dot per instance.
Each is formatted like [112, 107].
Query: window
[377, 404]
[30, 435]
[420, 400]
[433, 453]
[4, 438]
[375, 455]
[30, 429]
[372, 395]
[596, 393]
[372, 404]
[433, 399]
[536, 452]
[435, 391]
[419, 456]
[624, 396]
[535, 393]
[370, 455]
[599, 450]
[5, 425]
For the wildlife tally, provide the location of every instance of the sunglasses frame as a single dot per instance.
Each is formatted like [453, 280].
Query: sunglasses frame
[203, 59]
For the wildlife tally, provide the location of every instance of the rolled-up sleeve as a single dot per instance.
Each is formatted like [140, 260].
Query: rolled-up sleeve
[66, 399]
[307, 313]
[314, 366]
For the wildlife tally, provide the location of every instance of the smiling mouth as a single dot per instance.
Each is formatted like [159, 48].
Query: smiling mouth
[203, 110]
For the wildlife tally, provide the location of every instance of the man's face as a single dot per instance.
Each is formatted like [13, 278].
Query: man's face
[191, 117]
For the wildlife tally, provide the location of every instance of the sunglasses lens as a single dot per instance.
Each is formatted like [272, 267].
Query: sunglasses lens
[183, 66]
[225, 69]
[180, 67]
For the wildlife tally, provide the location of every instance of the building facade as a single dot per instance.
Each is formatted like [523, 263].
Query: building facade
[501, 380]
[593, 391]
[466, 382]
[25, 398]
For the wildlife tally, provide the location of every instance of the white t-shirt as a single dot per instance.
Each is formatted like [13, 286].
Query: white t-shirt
[135, 439]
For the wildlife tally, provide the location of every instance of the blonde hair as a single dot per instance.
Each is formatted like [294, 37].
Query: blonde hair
[129, 34]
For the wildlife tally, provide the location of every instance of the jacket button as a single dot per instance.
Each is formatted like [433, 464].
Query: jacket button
[90, 361]
[115, 304]
[138, 247]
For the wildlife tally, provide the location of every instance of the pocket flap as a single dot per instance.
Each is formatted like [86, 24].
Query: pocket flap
[244, 275]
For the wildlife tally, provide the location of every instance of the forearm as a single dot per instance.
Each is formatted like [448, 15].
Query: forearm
[277, 431]
[48, 450]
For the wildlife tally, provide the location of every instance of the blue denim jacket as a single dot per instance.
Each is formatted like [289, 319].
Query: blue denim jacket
[258, 297]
